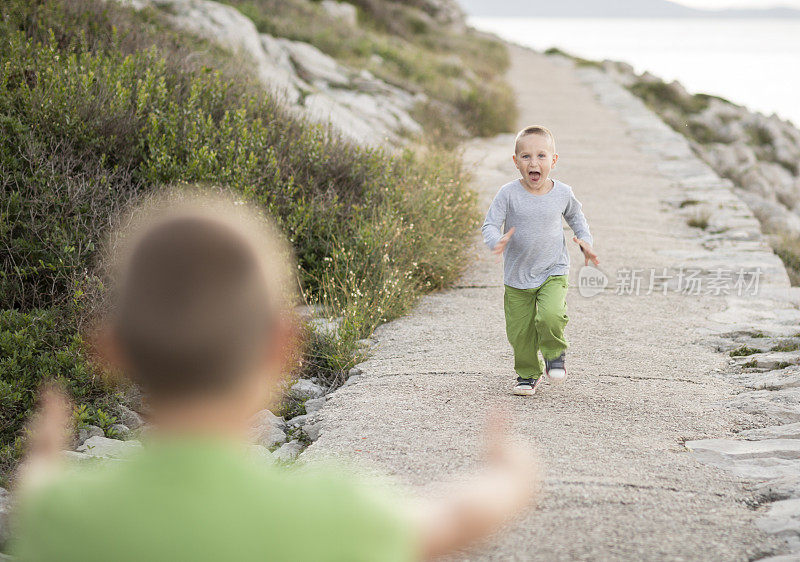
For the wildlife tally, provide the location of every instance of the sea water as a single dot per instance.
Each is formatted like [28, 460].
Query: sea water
[755, 63]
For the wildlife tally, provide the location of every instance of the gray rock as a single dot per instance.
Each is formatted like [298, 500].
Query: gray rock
[782, 518]
[730, 159]
[297, 421]
[85, 433]
[261, 454]
[354, 372]
[288, 451]
[304, 389]
[352, 380]
[774, 217]
[313, 65]
[738, 449]
[781, 558]
[315, 86]
[228, 27]
[770, 360]
[771, 380]
[129, 417]
[314, 404]
[109, 448]
[756, 460]
[787, 431]
[342, 11]
[781, 488]
[312, 430]
[83, 457]
[122, 431]
[5, 509]
[267, 429]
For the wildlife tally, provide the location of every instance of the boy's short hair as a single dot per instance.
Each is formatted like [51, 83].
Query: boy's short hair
[535, 130]
[198, 283]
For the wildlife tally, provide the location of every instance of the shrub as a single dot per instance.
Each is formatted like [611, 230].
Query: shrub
[786, 346]
[36, 347]
[100, 106]
[744, 351]
[661, 95]
[699, 220]
[788, 249]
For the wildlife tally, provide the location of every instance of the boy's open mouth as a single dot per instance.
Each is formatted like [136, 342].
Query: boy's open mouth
[535, 176]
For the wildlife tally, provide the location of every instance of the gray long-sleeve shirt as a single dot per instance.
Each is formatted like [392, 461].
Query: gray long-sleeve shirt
[538, 247]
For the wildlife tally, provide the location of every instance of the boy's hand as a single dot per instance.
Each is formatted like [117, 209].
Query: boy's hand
[516, 461]
[49, 432]
[588, 253]
[501, 245]
[479, 506]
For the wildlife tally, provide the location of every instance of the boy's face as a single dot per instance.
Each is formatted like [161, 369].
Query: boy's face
[534, 160]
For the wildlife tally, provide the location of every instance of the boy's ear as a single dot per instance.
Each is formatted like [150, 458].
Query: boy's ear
[104, 348]
[285, 342]
[514, 159]
[555, 159]
[105, 353]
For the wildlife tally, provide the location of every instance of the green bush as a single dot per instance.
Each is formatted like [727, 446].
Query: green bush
[660, 95]
[101, 106]
[35, 347]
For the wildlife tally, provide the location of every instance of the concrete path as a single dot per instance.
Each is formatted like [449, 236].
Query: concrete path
[619, 485]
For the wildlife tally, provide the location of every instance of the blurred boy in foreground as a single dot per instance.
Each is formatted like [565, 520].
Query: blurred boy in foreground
[200, 320]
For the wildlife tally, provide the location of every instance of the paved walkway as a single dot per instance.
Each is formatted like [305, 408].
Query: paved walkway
[618, 482]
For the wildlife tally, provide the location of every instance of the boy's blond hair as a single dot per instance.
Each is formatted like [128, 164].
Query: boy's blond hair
[535, 130]
[198, 282]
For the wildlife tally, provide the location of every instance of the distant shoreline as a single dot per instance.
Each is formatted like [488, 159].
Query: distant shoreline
[706, 55]
[763, 18]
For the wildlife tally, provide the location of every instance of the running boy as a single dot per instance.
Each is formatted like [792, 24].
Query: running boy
[201, 322]
[536, 260]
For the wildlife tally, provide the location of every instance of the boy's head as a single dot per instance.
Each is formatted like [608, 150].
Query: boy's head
[535, 155]
[201, 288]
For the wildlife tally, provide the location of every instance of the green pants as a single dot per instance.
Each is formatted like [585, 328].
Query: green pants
[535, 321]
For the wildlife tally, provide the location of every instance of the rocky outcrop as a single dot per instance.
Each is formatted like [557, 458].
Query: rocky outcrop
[760, 154]
[359, 105]
[446, 12]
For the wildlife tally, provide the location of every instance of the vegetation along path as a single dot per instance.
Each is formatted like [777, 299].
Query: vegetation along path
[618, 482]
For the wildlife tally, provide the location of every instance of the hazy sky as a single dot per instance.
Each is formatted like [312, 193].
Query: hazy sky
[715, 4]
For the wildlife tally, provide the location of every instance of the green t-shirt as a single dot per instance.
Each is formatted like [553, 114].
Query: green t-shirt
[208, 501]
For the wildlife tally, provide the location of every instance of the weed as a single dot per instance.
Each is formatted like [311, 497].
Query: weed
[699, 220]
[787, 346]
[788, 249]
[744, 351]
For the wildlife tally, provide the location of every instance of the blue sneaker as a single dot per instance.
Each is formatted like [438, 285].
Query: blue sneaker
[526, 387]
[556, 369]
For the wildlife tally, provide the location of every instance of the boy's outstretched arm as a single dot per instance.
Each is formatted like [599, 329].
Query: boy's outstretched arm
[480, 505]
[493, 224]
[577, 222]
